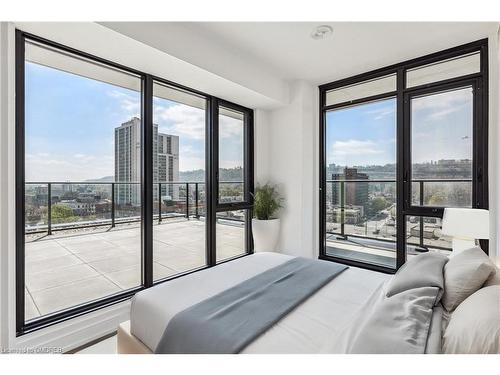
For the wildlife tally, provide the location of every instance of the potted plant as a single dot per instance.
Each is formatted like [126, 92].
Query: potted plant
[265, 226]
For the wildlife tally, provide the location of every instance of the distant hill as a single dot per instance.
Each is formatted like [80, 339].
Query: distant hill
[102, 179]
[225, 174]
[197, 175]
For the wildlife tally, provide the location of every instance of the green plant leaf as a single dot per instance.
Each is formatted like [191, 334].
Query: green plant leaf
[266, 201]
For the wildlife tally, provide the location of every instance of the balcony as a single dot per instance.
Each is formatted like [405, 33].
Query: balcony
[367, 232]
[95, 253]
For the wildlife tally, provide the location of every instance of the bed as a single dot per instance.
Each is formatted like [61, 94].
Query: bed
[316, 325]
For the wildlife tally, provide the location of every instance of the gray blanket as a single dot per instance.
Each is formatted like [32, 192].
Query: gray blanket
[232, 319]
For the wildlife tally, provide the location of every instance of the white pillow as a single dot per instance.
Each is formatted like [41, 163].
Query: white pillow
[474, 327]
[464, 274]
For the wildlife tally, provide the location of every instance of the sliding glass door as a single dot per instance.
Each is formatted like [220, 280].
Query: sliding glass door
[398, 145]
[361, 202]
[441, 160]
[124, 180]
[179, 170]
[82, 177]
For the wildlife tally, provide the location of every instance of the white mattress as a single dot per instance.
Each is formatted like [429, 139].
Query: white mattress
[310, 328]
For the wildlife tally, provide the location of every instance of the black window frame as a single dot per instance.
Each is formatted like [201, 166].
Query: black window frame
[403, 94]
[248, 174]
[211, 168]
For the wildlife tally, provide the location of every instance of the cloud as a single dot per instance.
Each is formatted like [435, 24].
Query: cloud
[355, 147]
[187, 121]
[438, 106]
[381, 113]
[78, 167]
[182, 120]
[130, 104]
[189, 163]
[357, 152]
[230, 127]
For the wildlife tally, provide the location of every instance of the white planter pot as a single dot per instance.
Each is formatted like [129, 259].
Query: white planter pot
[265, 234]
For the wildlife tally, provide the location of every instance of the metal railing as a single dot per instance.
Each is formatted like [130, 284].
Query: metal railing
[341, 205]
[191, 197]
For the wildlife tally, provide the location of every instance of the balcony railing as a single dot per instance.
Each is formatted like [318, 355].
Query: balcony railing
[336, 200]
[187, 199]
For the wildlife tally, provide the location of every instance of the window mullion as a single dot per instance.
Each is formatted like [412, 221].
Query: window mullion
[147, 180]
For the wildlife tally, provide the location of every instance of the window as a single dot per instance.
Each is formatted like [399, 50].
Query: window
[234, 178]
[442, 70]
[361, 182]
[231, 233]
[119, 171]
[82, 173]
[398, 145]
[231, 156]
[179, 189]
[361, 90]
[423, 233]
[441, 148]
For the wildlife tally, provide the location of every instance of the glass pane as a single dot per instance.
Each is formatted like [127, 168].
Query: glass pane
[441, 148]
[83, 147]
[231, 234]
[361, 90]
[179, 181]
[452, 68]
[231, 156]
[442, 194]
[424, 234]
[361, 183]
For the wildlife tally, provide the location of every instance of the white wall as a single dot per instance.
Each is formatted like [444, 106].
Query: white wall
[293, 164]
[262, 146]
[4, 176]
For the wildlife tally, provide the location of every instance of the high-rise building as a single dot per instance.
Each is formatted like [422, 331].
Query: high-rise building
[354, 193]
[168, 165]
[128, 162]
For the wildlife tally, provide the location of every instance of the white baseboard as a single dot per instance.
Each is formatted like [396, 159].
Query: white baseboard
[76, 332]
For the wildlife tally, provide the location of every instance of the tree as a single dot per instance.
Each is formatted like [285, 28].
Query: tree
[62, 214]
[377, 204]
[437, 199]
[230, 190]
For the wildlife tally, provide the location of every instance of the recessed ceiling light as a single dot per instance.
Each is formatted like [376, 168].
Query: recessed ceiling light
[322, 32]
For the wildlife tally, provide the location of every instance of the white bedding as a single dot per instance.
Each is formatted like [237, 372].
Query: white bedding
[310, 328]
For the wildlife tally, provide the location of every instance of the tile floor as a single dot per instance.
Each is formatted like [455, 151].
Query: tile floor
[64, 270]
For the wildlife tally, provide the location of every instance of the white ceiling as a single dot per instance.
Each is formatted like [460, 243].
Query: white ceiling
[253, 63]
[354, 47]
[262, 57]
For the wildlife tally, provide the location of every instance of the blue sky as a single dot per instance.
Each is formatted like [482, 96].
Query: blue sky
[365, 134]
[362, 135]
[70, 122]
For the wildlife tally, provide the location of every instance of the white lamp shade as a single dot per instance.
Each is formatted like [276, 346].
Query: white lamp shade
[466, 223]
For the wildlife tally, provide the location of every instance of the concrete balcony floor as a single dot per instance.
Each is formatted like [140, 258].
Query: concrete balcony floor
[67, 269]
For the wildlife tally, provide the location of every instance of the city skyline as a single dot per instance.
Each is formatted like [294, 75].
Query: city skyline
[70, 127]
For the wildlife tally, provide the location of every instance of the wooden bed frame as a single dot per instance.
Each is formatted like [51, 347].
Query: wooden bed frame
[127, 343]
